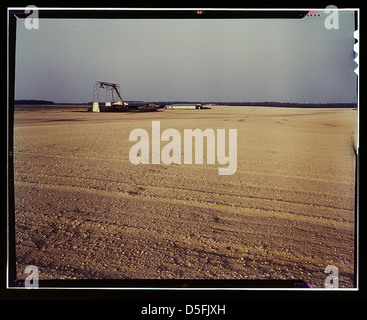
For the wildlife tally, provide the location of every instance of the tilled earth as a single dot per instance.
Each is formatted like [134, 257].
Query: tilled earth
[83, 211]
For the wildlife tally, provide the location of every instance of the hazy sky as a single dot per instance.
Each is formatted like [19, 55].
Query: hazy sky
[280, 60]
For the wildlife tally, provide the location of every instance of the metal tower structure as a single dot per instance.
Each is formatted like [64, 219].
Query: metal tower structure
[112, 95]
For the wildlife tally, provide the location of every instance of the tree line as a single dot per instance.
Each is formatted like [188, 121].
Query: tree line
[33, 101]
[231, 103]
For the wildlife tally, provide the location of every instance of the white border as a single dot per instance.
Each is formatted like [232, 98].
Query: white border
[195, 288]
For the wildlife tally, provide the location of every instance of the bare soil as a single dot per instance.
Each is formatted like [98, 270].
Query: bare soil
[83, 211]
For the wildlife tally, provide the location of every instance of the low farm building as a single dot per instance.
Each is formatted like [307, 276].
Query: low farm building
[183, 106]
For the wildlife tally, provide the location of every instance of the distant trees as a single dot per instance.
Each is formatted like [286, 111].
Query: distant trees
[292, 104]
[32, 101]
[229, 103]
[266, 104]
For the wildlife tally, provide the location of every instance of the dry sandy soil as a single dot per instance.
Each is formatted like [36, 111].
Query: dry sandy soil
[83, 211]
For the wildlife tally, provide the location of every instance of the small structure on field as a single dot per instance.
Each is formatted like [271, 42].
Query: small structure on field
[112, 95]
[187, 106]
[113, 101]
